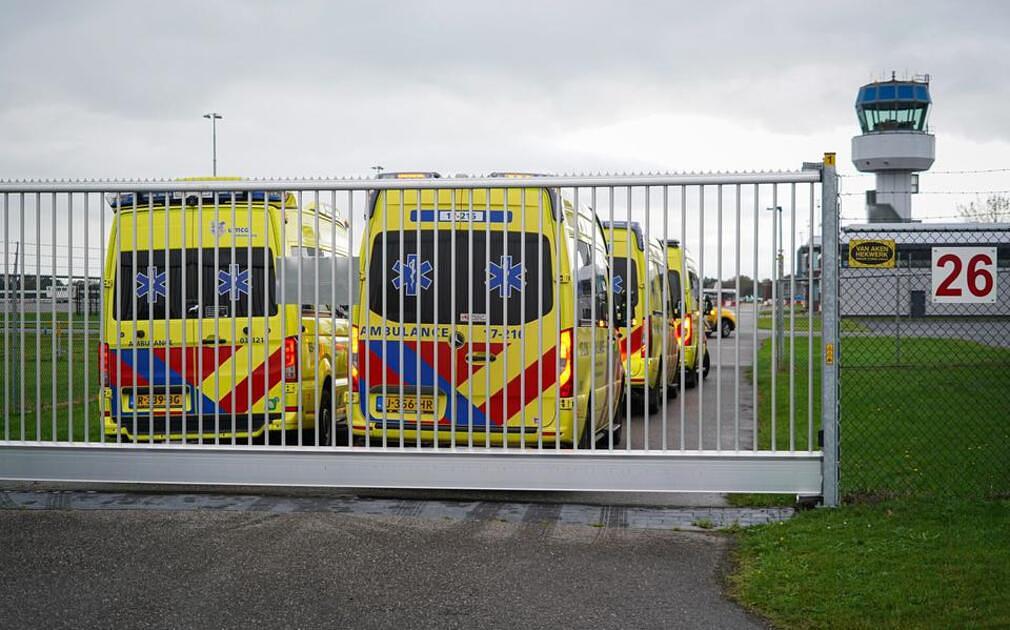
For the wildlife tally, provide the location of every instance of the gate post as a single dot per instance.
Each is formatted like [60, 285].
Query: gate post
[829, 329]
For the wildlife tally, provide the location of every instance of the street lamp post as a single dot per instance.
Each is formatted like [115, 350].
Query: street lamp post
[213, 117]
[778, 286]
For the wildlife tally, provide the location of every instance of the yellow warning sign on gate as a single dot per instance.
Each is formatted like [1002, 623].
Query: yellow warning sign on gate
[872, 253]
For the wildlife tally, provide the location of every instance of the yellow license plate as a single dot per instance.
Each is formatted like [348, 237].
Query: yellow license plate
[174, 402]
[407, 404]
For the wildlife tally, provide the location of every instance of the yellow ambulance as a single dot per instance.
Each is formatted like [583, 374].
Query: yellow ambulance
[469, 330]
[689, 331]
[638, 275]
[197, 346]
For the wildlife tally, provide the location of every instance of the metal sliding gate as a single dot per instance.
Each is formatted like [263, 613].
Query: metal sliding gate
[515, 331]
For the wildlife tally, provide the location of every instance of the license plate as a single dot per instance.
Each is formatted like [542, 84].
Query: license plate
[174, 401]
[407, 404]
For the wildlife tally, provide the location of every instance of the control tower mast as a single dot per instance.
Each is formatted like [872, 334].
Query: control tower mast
[895, 144]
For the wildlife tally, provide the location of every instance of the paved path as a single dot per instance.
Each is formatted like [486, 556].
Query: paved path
[487, 566]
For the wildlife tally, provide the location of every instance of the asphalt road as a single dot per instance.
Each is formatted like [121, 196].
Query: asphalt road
[154, 569]
[716, 414]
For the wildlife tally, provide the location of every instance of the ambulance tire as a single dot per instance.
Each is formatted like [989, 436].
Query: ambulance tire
[324, 418]
[656, 392]
[706, 365]
[691, 375]
[726, 329]
[586, 439]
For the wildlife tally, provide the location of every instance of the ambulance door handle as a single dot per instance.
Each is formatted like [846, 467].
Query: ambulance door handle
[475, 357]
[215, 340]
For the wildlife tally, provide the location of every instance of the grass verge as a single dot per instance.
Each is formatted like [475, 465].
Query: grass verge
[909, 563]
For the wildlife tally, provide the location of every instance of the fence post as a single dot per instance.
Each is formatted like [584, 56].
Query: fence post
[829, 331]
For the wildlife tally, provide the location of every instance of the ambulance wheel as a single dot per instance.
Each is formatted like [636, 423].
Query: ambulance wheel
[726, 329]
[691, 375]
[324, 421]
[705, 365]
[656, 392]
[586, 439]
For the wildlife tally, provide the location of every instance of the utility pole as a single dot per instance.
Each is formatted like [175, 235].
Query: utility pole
[778, 287]
[213, 117]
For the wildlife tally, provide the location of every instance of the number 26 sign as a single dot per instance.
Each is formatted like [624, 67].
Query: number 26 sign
[963, 275]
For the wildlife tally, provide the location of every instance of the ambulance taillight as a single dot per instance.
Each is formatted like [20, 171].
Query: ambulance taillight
[291, 358]
[103, 363]
[354, 359]
[565, 364]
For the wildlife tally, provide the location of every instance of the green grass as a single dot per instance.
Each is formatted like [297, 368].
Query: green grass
[922, 539]
[803, 323]
[38, 379]
[910, 563]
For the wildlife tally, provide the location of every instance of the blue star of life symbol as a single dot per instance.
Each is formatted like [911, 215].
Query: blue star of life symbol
[618, 283]
[234, 282]
[505, 276]
[409, 275]
[152, 284]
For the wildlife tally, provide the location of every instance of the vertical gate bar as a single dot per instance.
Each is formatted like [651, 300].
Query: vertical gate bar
[117, 305]
[829, 332]
[489, 414]
[666, 310]
[133, 316]
[417, 331]
[647, 319]
[718, 322]
[736, 341]
[399, 294]
[101, 313]
[334, 306]
[540, 319]
[354, 274]
[217, 320]
[150, 315]
[596, 326]
[792, 318]
[201, 272]
[70, 319]
[470, 310]
[194, 396]
[810, 325]
[233, 317]
[610, 329]
[574, 253]
[628, 320]
[250, 340]
[168, 310]
[453, 415]
[700, 331]
[436, 234]
[351, 347]
[7, 303]
[775, 305]
[21, 308]
[316, 358]
[384, 344]
[282, 254]
[559, 223]
[365, 354]
[54, 360]
[522, 311]
[754, 332]
[503, 292]
[685, 315]
[268, 326]
[299, 325]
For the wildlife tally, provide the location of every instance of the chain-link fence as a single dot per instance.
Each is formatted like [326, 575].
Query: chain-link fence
[925, 361]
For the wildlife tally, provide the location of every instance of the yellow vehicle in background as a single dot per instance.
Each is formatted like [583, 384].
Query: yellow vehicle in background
[689, 326]
[197, 346]
[718, 319]
[652, 323]
[469, 330]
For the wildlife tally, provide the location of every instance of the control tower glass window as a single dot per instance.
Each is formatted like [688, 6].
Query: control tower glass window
[893, 106]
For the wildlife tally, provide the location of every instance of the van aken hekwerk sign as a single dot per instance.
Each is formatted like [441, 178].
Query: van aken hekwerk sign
[874, 253]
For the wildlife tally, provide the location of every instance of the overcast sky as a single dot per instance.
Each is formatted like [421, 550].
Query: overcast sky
[116, 89]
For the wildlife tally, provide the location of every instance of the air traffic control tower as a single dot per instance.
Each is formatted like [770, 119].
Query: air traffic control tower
[895, 144]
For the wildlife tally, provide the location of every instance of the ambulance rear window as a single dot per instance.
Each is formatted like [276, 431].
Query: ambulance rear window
[495, 273]
[222, 286]
[622, 283]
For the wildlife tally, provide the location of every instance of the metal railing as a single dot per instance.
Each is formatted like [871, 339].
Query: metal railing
[368, 333]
